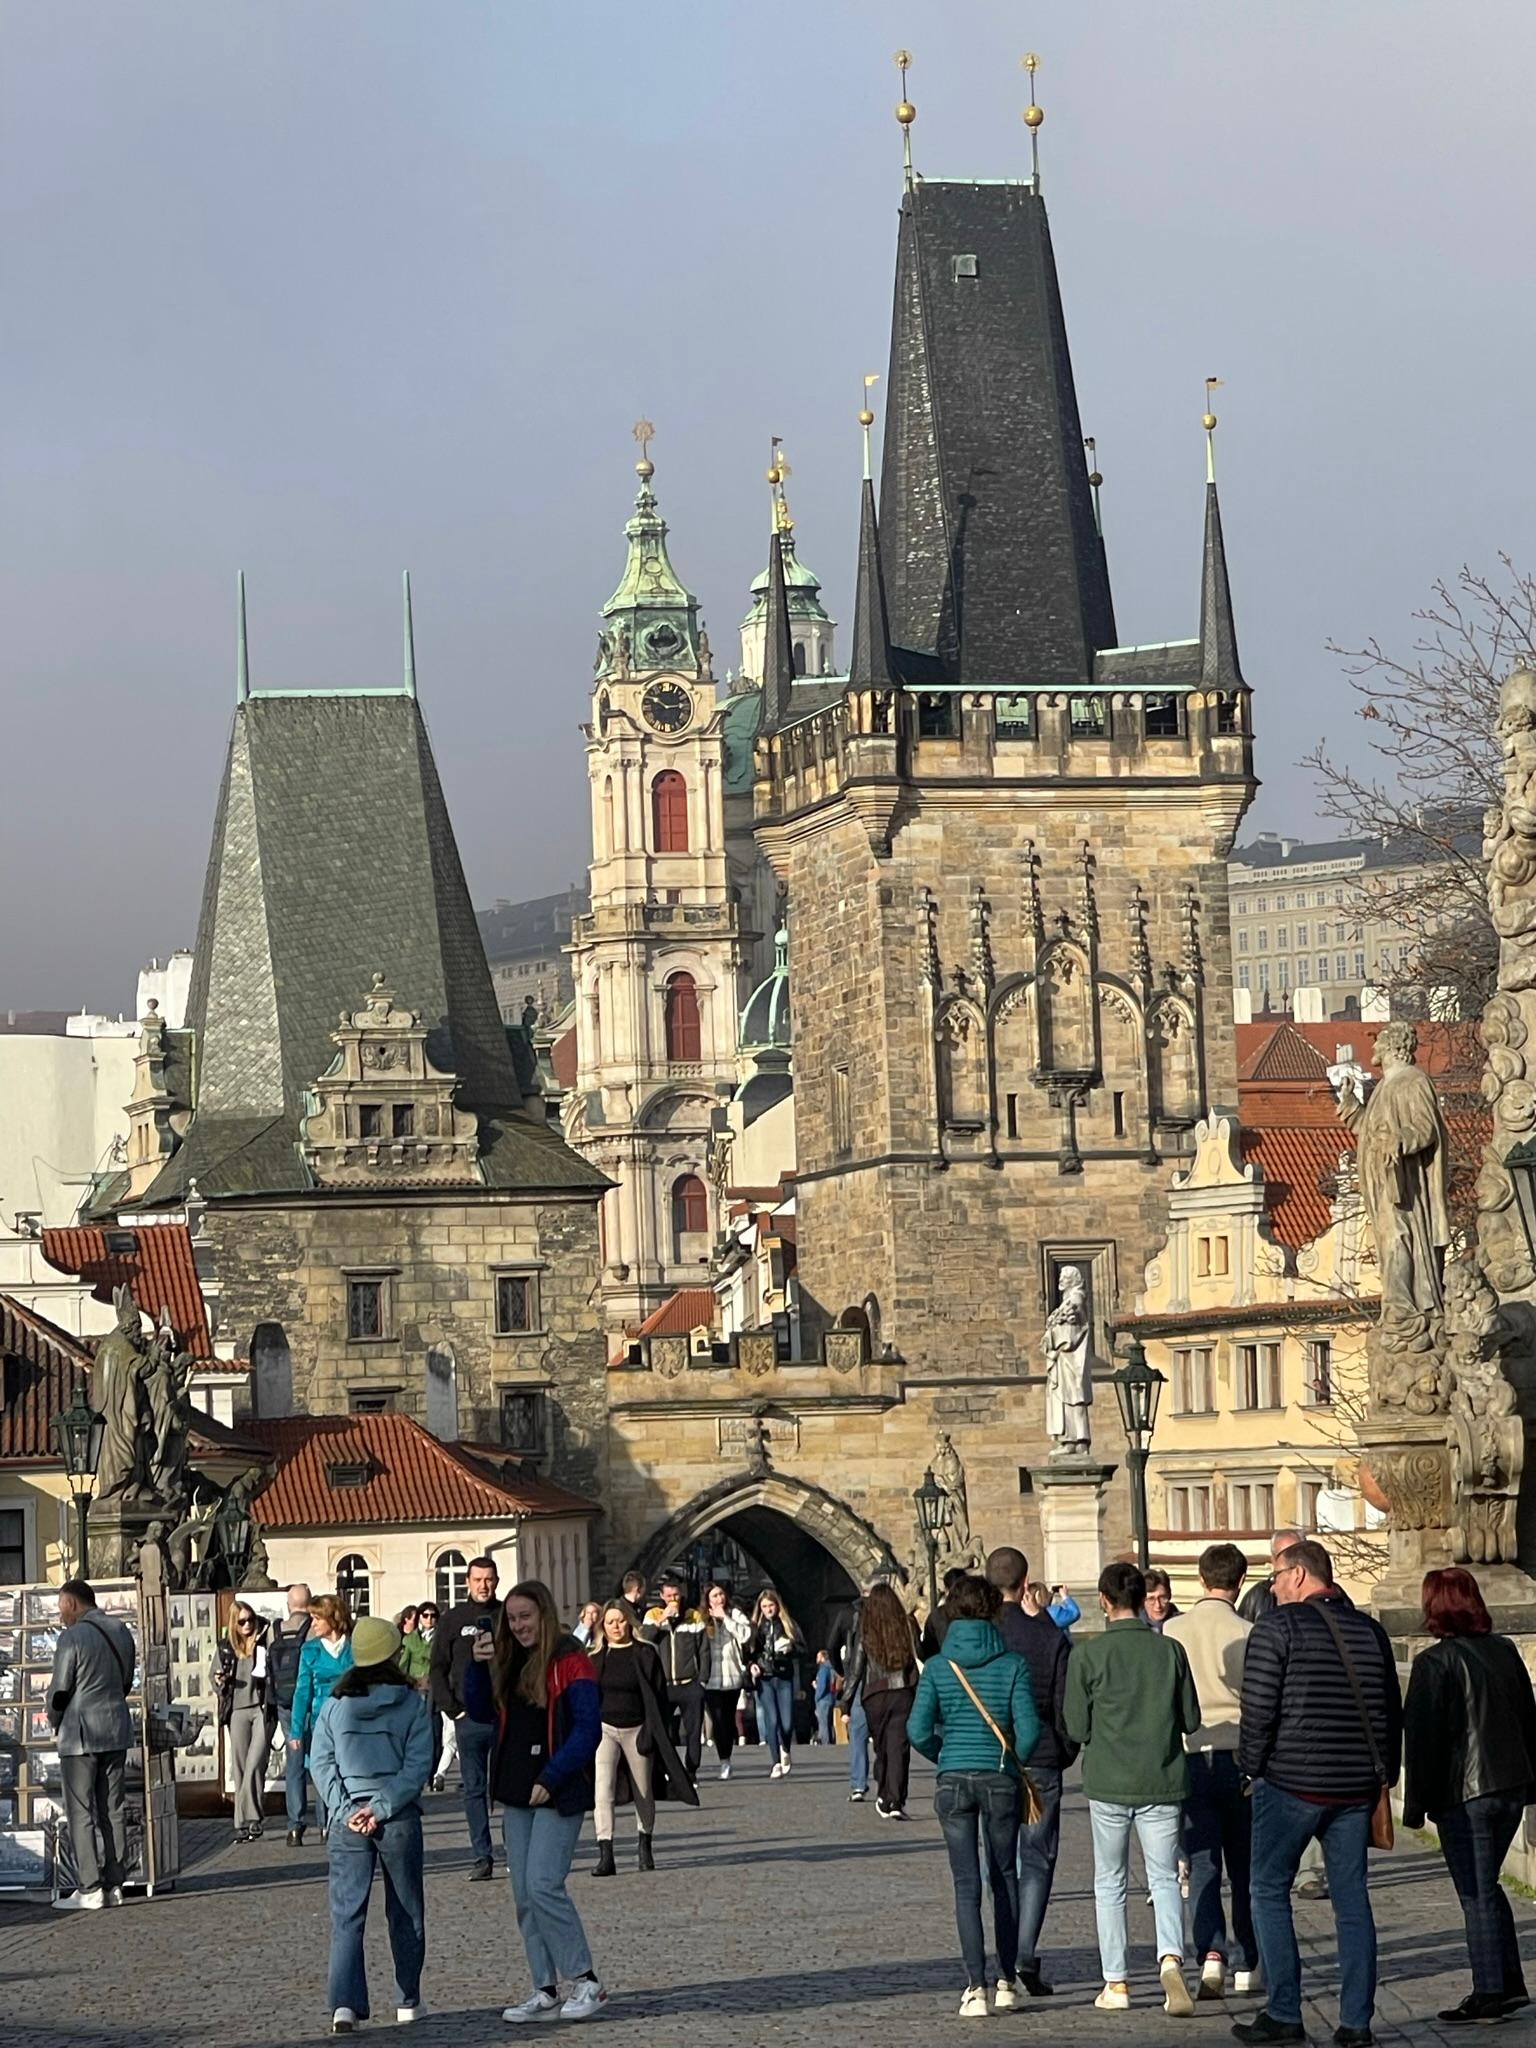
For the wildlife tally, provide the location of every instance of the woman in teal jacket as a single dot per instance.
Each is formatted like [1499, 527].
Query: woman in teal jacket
[325, 1657]
[974, 1716]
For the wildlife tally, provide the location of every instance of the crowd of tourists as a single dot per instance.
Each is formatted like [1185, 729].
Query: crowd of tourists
[1229, 1739]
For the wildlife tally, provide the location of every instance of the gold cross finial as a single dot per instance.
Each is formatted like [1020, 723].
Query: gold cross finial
[1208, 421]
[644, 434]
[778, 469]
[1034, 115]
[867, 416]
[906, 114]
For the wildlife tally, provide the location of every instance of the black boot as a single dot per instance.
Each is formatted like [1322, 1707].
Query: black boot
[606, 1867]
[647, 1854]
[1480, 2008]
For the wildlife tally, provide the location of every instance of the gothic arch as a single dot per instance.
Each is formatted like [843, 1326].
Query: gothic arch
[960, 1033]
[1068, 1020]
[845, 1536]
[1174, 1049]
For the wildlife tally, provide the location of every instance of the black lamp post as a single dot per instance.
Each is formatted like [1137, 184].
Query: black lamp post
[930, 1498]
[1137, 1388]
[79, 1431]
[1520, 1162]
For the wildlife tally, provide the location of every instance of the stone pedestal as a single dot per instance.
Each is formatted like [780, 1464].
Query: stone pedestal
[1071, 1495]
[115, 1530]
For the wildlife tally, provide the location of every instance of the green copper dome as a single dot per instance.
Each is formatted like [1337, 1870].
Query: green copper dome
[765, 1020]
[651, 621]
[802, 585]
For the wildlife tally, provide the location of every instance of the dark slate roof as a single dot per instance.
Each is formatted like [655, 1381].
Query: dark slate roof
[1220, 669]
[778, 642]
[1148, 668]
[870, 662]
[992, 560]
[333, 858]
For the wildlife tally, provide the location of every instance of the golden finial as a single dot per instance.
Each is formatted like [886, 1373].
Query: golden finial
[1095, 482]
[1034, 115]
[906, 114]
[778, 470]
[645, 433]
[867, 418]
[1208, 421]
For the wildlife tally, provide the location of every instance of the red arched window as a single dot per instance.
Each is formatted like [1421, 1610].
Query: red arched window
[682, 1002]
[669, 812]
[690, 1206]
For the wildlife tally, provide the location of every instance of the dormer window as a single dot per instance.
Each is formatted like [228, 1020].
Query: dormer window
[964, 267]
[370, 1119]
[346, 1475]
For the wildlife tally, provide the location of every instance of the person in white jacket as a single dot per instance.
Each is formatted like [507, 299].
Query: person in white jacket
[727, 1632]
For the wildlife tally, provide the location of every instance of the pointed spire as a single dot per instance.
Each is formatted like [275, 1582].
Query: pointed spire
[870, 660]
[410, 635]
[1219, 666]
[778, 641]
[242, 648]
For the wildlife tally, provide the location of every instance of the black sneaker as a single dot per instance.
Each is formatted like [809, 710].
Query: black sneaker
[1262, 2028]
[1512, 2001]
[1478, 2008]
[481, 1873]
[857, 1798]
[1036, 1985]
[295, 1838]
[1354, 2037]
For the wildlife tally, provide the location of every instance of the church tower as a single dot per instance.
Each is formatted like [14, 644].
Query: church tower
[660, 958]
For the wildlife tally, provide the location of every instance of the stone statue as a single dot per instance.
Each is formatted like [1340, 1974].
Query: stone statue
[149, 1563]
[1069, 1368]
[704, 652]
[164, 1380]
[120, 1360]
[756, 1445]
[187, 1544]
[950, 1475]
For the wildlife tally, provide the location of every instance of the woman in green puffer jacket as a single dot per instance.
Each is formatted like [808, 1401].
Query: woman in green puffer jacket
[974, 1716]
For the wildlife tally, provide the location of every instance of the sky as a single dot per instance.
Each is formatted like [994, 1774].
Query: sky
[327, 289]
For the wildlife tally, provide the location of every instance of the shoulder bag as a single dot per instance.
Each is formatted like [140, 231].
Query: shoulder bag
[1382, 1833]
[1034, 1812]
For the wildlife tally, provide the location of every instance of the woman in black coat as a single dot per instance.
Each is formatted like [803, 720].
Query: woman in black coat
[636, 1762]
[1469, 1758]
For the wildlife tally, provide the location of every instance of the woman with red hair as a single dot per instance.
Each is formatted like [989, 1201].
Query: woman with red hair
[1469, 1763]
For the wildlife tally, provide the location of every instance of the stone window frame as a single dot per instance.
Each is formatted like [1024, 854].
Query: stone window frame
[538, 1391]
[1098, 1258]
[531, 1270]
[384, 1278]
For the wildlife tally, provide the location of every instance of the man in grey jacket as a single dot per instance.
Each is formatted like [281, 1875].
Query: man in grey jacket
[88, 1706]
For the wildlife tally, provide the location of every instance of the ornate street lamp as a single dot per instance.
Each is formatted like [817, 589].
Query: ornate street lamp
[931, 1501]
[78, 1432]
[1137, 1388]
[1520, 1164]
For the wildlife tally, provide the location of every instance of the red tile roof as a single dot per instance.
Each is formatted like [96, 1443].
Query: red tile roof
[1443, 1048]
[1298, 1167]
[1284, 1055]
[412, 1477]
[161, 1269]
[686, 1310]
[43, 1369]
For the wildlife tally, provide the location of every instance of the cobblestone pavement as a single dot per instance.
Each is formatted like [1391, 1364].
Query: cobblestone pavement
[780, 1914]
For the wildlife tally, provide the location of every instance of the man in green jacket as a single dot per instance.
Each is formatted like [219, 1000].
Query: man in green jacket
[1130, 1702]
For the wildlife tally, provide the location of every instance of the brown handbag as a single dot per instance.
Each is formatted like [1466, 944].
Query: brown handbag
[1034, 1812]
[1383, 1835]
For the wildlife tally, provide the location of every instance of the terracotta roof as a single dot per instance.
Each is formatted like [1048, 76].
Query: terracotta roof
[411, 1477]
[42, 1372]
[1284, 1056]
[161, 1268]
[1298, 1166]
[681, 1312]
[1442, 1048]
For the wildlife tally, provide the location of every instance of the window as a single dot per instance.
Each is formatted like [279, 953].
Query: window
[935, 718]
[682, 1018]
[1359, 967]
[1282, 931]
[1262, 938]
[353, 1583]
[1014, 717]
[1192, 1377]
[522, 1420]
[365, 1309]
[1320, 1372]
[690, 1217]
[1258, 1378]
[1242, 942]
[402, 1120]
[13, 1547]
[963, 266]
[370, 1119]
[842, 1111]
[1280, 905]
[1307, 1494]
[1252, 1506]
[1262, 905]
[1011, 1114]
[1088, 717]
[1118, 1107]
[1303, 971]
[1189, 1508]
[1301, 935]
[799, 657]
[1202, 1258]
[1264, 976]
[346, 1475]
[1243, 979]
[1322, 966]
[1160, 718]
[371, 1400]
[450, 1582]
[1319, 898]
[1340, 967]
[517, 1303]
[1283, 973]
[1228, 719]
[669, 812]
[271, 1371]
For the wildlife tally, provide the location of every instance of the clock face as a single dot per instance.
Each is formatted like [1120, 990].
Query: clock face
[667, 707]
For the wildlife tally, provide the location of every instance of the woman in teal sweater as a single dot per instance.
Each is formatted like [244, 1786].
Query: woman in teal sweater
[325, 1657]
[974, 1716]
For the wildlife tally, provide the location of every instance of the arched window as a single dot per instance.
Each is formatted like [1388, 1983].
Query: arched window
[682, 1018]
[354, 1584]
[271, 1371]
[609, 842]
[690, 1218]
[669, 812]
[799, 657]
[451, 1583]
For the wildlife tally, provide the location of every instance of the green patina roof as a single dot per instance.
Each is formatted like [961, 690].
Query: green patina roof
[802, 585]
[657, 617]
[765, 1019]
[743, 717]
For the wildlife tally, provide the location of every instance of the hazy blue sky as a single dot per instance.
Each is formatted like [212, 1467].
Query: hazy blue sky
[328, 288]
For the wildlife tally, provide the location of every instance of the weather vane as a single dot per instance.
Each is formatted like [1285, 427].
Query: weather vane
[778, 470]
[1034, 115]
[867, 417]
[644, 434]
[906, 114]
[1208, 421]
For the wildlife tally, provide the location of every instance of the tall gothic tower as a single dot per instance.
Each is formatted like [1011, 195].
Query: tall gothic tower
[660, 958]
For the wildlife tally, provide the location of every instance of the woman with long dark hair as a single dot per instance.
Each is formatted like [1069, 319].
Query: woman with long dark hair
[774, 1644]
[636, 1762]
[537, 1686]
[1469, 1761]
[371, 1754]
[247, 1713]
[727, 1640]
[882, 1671]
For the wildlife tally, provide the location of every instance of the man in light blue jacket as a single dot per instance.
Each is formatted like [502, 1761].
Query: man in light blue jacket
[371, 1756]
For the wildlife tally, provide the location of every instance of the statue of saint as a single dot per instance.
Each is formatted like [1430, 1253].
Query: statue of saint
[950, 1474]
[1069, 1367]
[1400, 1150]
[164, 1379]
[116, 1378]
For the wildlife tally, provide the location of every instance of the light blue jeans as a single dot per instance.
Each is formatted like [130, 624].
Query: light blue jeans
[858, 1744]
[1158, 1829]
[540, 1845]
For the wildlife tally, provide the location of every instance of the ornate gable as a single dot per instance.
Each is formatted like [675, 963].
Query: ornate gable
[383, 1112]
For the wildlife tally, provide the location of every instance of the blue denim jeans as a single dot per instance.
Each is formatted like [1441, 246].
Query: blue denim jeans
[982, 1807]
[475, 1739]
[858, 1745]
[295, 1778]
[540, 1844]
[1218, 1829]
[1158, 1829]
[1038, 1844]
[776, 1714]
[1282, 1827]
[824, 1728]
[1474, 1840]
[396, 1847]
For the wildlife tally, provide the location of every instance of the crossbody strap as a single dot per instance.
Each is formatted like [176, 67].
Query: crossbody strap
[1007, 1746]
[1356, 1688]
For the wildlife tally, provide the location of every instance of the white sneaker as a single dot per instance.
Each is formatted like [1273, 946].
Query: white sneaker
[81, 1902]
[115, 1895]
[785, 1764]
[542, 2006]
[725, 1772]
[1114, 1998]
[343, 2020]
[1213, 1977]
[1006, 1996]
[407, 2015]
[586, 1998]
[1244, 1981]
[974, 2004]
[777, 1771]
[1176, 1998]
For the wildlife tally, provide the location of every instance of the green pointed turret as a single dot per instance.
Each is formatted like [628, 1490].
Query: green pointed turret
[651, 621]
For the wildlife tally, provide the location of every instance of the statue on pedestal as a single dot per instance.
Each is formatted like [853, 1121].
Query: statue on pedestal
[121, 1357]
[1069, 1368]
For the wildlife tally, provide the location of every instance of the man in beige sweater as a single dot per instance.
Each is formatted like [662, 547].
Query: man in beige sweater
[1217, 1817]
